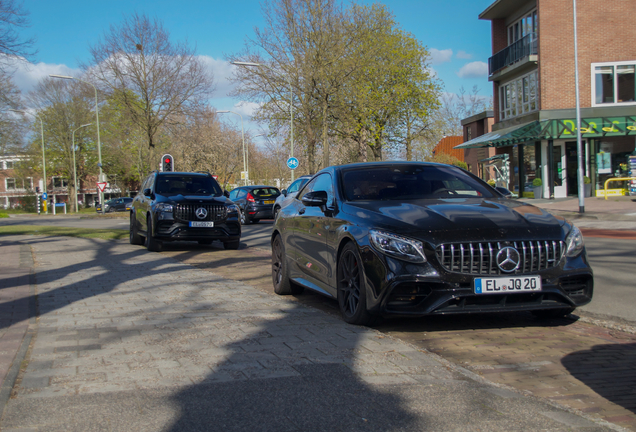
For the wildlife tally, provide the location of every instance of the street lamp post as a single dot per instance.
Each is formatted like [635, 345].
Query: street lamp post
[291, 107]
[43, 154]
[74, 167]
[579, 143]
[243, 138]
[99, 144]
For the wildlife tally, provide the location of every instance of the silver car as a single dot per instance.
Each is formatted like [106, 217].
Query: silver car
[289, 193]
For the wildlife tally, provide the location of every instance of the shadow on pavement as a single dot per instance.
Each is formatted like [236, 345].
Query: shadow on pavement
[608, 370]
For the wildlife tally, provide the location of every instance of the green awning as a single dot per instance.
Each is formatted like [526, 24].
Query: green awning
[532, 131]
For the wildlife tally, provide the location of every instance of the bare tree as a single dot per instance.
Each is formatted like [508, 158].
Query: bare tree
[12, 17]
[154, 78]
[10, 126]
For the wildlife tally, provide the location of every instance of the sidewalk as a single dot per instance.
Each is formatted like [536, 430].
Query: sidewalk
[131, 340]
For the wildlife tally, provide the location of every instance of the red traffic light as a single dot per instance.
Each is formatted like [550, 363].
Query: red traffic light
[167, 160]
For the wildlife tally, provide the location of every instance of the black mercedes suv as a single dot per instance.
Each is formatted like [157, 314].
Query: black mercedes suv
[183, 206]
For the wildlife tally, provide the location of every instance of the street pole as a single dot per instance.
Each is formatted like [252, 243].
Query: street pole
[43, 154]
[75, 169]
[245, 165]
[291, 106]
[99, 144]
[579, 143]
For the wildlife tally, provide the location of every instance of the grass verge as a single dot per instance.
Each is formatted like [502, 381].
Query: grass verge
[105, 234]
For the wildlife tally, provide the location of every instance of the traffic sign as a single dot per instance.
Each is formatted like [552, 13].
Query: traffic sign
[44, 196]
[102, 186]
[292, 163]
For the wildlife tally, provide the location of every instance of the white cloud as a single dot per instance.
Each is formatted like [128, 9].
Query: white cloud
[221, 71]
[476, 69]
[440, 56]
[464, 55]
[27, 75]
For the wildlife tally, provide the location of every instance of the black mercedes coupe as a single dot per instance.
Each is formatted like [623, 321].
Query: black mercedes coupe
[415, 239]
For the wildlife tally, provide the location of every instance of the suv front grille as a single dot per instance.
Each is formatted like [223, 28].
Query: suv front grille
[187, 212]
[480, 258]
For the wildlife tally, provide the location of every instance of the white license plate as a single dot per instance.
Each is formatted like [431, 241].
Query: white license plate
[202, 224]
[506, 285]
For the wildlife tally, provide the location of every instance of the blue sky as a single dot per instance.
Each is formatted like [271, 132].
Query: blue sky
[65, 29]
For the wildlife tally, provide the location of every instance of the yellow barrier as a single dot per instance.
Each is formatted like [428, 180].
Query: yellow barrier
[616, 179]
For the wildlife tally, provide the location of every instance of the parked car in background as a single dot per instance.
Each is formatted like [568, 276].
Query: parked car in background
[183, 206]
[415, 239]
[255, 202]
[115, 205]
[287, 194]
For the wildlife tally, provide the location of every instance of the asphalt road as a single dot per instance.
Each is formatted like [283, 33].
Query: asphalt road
[613, 260]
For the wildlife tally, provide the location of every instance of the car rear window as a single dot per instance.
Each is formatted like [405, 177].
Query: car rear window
[179, 184]
[408, 182]
[265, 192]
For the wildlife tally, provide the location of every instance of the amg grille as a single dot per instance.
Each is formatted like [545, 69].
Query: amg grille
[479, 258]
[187, 212]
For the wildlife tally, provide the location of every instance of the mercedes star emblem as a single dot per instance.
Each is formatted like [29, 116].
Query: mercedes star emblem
[508, 259]
[201, 213]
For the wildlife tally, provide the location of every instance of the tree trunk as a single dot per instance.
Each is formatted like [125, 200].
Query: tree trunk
[325, 142]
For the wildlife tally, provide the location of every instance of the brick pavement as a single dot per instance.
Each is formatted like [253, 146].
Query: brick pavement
[131, 340]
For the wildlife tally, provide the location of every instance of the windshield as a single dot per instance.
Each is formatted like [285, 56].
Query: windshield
[409, 182]
[265, 192]
[179, 184]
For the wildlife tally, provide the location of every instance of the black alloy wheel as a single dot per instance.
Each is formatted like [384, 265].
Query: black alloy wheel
[152, 244]
[280, 271]
[135, 238]
[352, 296]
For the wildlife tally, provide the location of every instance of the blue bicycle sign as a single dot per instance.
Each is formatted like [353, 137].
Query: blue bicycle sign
[292, 163]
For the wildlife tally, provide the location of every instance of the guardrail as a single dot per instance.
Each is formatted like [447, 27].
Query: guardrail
[615, 179]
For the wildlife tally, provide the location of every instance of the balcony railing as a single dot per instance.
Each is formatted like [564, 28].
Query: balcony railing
[524, 47]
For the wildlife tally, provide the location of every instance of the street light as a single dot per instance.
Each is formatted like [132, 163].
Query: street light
[43, 155]
[243, 137]
[99, 144]
[291, 107]
[75, 170]
[579, 143]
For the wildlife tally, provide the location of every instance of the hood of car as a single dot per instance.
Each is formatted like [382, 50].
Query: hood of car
[460, 219]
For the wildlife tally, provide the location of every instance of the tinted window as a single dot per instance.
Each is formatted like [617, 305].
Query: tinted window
[297, 185]
[321, 183]
[233, 194]
[407, 182]
[179, 184]
[242, 193]
[265, 192]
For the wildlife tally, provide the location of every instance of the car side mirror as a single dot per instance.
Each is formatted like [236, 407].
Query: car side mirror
[147, 193]
[284, 192]
[505, 192]
[226, 194]
[315, 199]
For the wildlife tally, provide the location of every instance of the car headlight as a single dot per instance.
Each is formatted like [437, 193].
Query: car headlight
[574, 244]
[397, 246]
[232, 208]
[165, 207]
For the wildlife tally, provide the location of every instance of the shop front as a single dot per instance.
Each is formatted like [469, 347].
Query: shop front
[544, 153]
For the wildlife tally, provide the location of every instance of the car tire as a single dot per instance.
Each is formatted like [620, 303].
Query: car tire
[245, 220]
[152, 244]
[276, 211]
[352, 293]
[135, 238]
[231, 245]
[111, 210]
[205, 242]
[553, 313]
[280, 270]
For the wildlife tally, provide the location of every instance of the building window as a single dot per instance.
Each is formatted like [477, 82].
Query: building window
[59, 182]
[10, 184]
[9, 164]
[613, 83]
[28, 183]
[522, 27]
[518, 97]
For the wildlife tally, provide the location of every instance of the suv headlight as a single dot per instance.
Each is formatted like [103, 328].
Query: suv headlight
[397, 246]
[574, 244]
[165, 207]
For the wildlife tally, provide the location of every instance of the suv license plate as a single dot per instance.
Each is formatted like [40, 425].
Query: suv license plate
[507, 285]
[202, 224]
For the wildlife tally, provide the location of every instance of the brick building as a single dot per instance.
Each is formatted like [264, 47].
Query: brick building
[533, 76]
[447, 146]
